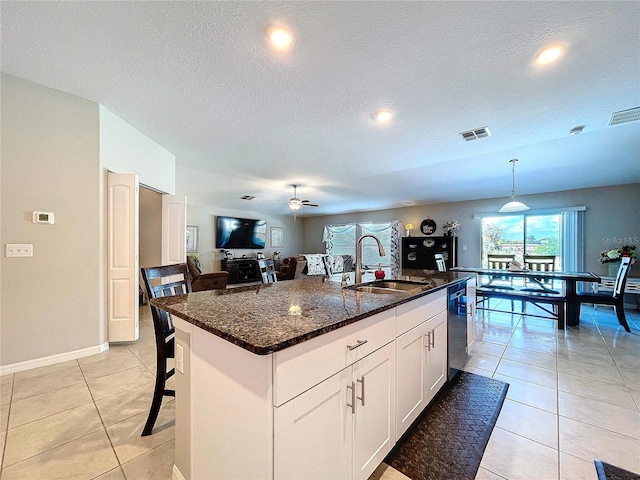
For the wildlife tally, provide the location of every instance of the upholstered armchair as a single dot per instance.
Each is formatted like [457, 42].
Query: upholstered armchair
[291, 268]
[205, 281]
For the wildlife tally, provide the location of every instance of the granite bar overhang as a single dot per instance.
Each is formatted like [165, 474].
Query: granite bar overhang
[271, 317]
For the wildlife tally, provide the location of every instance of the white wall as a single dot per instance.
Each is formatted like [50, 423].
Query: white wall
[205, 218]
[123, 149]
[51, 303]
[56, 150]
[612, 215]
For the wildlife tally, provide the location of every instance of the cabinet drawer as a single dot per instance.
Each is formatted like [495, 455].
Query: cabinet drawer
[302, 366]
[409, 315]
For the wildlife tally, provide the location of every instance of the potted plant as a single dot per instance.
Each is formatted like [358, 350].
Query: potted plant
[613, 257]
[451, 228]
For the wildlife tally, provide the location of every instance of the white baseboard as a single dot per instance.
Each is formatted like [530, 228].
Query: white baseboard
[50, 360]
[176, 474]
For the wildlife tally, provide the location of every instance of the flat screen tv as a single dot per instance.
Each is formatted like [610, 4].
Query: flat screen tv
[233, 232]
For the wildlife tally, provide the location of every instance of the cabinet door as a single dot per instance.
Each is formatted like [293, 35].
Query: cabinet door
[374, 420]
[411, 349]
[471, 314]
[313, 432]
[436, 370]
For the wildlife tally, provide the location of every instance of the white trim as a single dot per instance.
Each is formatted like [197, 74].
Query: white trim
[176, 475]
[541, 211]
[52, 359]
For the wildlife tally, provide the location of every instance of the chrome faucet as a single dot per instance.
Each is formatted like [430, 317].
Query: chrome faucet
[359, 255]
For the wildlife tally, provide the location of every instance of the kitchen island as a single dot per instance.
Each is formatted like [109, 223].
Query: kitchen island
[303, 379]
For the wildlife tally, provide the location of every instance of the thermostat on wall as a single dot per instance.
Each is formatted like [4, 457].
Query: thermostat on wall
[43, 217]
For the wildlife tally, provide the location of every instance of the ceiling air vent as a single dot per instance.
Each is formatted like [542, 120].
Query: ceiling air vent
[247, 197]
[476, 133]
[624, 116]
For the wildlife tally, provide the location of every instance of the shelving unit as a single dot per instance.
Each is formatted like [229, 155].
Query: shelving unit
[241, 270]
[417, 252]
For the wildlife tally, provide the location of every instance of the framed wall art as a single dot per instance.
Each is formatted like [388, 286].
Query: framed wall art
[277, 237]
[192, 238]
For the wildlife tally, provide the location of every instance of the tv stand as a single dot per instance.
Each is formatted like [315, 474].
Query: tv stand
[241, 270]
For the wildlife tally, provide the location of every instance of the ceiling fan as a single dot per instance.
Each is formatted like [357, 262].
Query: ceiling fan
[295, 203]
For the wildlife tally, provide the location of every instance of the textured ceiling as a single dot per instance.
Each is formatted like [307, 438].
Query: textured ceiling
[200, 80]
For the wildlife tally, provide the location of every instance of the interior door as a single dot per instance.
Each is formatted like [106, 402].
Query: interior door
[174, 229]
[122, 272]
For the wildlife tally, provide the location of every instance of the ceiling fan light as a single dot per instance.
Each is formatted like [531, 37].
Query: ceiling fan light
[295, 203]
[513, 206]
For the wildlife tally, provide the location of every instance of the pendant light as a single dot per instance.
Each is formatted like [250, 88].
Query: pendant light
[513, 205]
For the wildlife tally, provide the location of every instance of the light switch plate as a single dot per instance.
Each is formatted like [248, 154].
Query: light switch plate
[19, 250]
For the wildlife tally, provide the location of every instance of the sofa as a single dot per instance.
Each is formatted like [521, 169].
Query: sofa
[205, 281]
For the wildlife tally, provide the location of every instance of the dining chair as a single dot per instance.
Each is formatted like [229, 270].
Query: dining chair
[267, 270]
[540, 263]
[163, 281]
[440, 263]
[616, 299]
[499, 261]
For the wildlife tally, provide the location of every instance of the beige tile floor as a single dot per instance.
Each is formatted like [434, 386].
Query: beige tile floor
[574, 397]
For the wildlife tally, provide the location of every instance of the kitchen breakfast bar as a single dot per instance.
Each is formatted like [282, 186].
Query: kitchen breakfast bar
[305, 378]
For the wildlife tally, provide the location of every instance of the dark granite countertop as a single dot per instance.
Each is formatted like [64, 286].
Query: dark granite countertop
[271, 317]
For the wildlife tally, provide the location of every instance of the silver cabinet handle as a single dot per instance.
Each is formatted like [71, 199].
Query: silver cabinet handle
[359, 343]
[433, 338]
[352, 405]
[428, 345]
[361, 381]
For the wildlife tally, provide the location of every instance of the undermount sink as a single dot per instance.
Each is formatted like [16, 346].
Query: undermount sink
[389, 286]
[375, 289]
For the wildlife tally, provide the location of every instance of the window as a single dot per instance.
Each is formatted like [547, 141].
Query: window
[557, 232]
[341, 240]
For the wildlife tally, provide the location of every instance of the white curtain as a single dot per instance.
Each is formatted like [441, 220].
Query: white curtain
[389, 234]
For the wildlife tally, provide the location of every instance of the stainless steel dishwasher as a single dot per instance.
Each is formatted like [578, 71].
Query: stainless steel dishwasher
[457, 327]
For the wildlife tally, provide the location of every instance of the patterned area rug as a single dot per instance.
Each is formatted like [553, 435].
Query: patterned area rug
[448, 440]
[607, 471]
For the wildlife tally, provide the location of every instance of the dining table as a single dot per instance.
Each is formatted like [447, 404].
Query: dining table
[568, 295]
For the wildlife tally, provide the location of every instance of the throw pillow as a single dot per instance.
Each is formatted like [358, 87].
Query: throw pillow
[315, 264]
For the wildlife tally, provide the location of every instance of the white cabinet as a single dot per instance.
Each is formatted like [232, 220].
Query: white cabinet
[471, 314]
[411, 349]
[422, 364]
[375, 408]
[341, 428]
[314, 432]
[436, 370]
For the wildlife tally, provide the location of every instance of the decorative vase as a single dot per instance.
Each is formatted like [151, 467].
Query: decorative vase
[613, 268]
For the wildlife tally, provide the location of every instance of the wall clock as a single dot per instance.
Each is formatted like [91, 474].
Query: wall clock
[428, 226]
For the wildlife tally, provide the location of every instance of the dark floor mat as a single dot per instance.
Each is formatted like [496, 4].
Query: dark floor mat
[607, 471]
[447, 441]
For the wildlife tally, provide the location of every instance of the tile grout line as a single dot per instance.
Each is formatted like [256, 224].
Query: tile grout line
[6, 428]
[49, 449]
[104, 427]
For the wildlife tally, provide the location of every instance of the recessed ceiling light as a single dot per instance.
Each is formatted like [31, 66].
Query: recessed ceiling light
[279, 36]
[383, 116]
[549, 54]
[577, 130]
